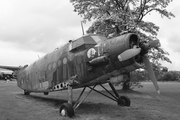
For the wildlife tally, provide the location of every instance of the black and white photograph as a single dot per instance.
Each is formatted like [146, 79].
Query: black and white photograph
[89, 60]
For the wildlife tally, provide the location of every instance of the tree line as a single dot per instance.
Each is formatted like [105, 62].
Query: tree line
[142, 75]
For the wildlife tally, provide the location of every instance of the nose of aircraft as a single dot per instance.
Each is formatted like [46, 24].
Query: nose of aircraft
[123, 43]
[141, 50]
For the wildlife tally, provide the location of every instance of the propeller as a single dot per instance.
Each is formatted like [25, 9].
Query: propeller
[147, 63]
[151, 73]
[154, 43]
[129, 54]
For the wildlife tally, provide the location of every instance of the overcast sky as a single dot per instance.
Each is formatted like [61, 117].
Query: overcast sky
[31, 28]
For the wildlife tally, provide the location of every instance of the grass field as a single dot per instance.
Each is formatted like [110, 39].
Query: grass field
[146, 104]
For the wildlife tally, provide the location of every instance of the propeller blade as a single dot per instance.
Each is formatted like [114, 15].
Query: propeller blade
[154, 43]
[151, 73]
[129, 54]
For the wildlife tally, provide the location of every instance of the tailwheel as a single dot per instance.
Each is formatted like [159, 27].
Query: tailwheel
[124, 101]
[66, 109]
[26, 92]
[46, 93]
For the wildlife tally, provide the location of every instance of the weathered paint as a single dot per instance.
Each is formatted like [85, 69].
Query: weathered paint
[55, 70]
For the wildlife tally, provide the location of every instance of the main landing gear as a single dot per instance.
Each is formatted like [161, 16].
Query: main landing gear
[46, 93]
[26, 92]
[67, 109]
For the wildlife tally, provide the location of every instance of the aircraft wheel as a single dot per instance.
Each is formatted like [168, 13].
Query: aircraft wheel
[46, 93]
[124, 101]
[26, 92]
[66, 109]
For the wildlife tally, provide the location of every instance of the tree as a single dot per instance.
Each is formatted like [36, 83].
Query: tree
[170, 76]
[111, 17]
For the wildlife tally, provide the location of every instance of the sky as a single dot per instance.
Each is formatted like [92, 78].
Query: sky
[31, 28]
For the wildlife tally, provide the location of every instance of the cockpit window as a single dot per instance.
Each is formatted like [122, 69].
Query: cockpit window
[85, 42]
[98, 38]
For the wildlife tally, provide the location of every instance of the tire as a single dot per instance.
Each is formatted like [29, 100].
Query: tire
[124, 101]
[66, 109]
[26, 92]
[46, 93]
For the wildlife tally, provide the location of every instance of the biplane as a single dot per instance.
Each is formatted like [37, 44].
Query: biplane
[87, 62]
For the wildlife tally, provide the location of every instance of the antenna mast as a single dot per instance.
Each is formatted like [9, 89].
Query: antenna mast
[82, 27]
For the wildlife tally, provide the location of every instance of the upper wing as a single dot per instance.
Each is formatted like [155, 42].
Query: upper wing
[10, 68]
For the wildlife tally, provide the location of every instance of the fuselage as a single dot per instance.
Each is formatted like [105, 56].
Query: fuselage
[91, 59]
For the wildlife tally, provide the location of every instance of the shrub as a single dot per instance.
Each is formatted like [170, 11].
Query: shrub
[170, 76]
